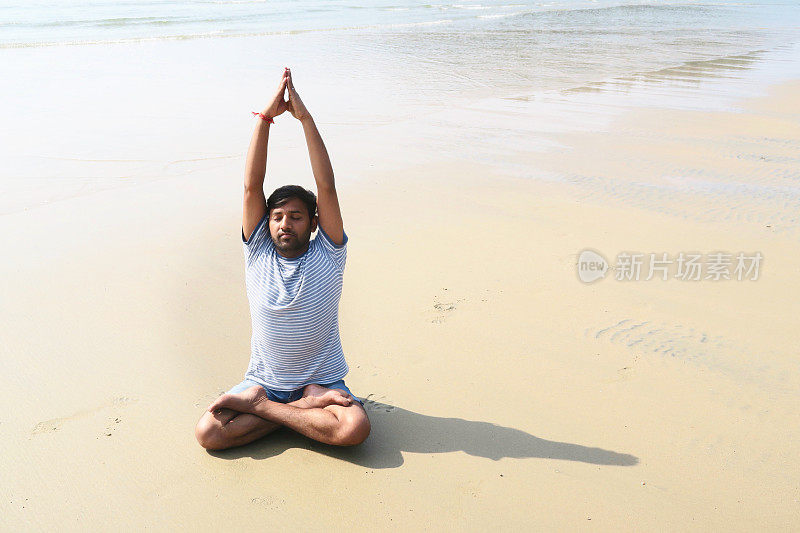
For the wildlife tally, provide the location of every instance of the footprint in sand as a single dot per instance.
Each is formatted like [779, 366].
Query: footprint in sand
[443, 305]
[372, 403]
[48, 425]
[268, 501]
[112, 422]
[56, 424]
[206, 400]
[111, 426]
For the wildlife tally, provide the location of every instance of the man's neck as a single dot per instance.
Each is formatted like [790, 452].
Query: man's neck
[295, 255]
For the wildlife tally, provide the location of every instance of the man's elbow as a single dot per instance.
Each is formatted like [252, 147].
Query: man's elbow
[253, 188]
[326, 187]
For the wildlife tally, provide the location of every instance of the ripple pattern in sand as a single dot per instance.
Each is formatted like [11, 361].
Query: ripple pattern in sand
[717, 352]
[665, 339]
[701, 200]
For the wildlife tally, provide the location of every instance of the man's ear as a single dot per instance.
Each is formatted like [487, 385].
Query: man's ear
[314, 223]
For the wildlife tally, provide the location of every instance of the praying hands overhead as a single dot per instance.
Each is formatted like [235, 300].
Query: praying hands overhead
[294, 104]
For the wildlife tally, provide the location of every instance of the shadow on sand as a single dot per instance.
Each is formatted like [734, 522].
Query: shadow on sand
[396, 430]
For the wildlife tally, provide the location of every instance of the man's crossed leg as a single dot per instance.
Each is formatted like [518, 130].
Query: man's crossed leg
[327, 415]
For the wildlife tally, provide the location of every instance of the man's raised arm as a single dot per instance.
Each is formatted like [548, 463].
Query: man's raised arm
[255, 203]
[330, 216]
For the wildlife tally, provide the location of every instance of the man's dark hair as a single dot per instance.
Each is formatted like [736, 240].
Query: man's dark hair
[281, 195]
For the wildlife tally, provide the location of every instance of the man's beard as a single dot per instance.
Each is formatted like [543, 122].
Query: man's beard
[294, 243]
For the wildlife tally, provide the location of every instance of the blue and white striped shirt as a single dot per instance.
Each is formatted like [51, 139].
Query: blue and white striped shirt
[294, 306]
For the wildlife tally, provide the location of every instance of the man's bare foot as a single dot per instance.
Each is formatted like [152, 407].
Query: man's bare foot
[244, 401]
[319, 396]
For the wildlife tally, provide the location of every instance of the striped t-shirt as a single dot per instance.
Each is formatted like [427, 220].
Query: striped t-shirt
[294, 306]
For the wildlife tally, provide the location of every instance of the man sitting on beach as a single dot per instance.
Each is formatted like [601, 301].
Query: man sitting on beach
[296, 371]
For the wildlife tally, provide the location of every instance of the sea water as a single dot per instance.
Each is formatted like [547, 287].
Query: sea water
[102, 92]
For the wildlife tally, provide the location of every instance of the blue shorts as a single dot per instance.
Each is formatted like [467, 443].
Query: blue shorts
[283, 396]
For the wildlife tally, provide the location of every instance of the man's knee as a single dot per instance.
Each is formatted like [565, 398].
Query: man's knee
[354, 428]
[207, 432]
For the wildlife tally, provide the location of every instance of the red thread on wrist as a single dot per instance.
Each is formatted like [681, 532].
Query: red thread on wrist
[263, 117]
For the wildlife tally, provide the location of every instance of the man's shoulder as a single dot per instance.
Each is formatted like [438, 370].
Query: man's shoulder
[330, 243]
[316, 249]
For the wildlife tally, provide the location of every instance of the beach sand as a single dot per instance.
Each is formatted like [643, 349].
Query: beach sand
[502, 391]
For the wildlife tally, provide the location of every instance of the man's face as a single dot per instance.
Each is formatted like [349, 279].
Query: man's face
[291, 228]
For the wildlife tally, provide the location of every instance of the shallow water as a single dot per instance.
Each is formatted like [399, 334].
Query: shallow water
[103, 94]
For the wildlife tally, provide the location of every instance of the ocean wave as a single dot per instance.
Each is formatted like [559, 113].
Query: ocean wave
[120, 21]
[213, 34]
[569, 18]
[623, 9]
[500, 15]
[714, 67]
